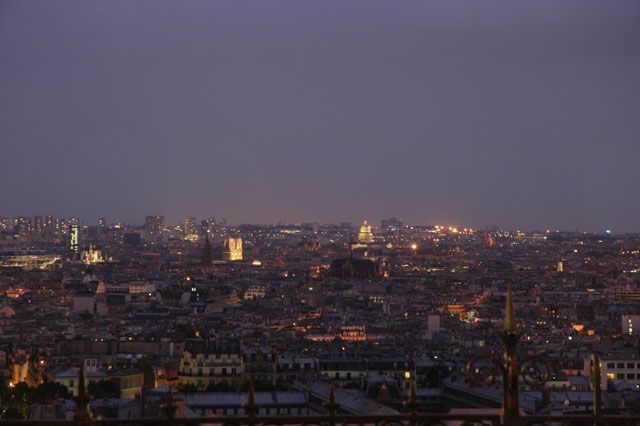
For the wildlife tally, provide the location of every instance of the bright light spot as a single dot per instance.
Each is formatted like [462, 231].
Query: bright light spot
[414, 246]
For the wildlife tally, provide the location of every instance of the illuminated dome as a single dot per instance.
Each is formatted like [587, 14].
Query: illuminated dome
[365, 235]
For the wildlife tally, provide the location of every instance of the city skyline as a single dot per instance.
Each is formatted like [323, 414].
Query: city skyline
[325, 212]
[519, 115]
[199, 221]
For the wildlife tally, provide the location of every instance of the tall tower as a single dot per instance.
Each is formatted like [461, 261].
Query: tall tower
[190, 226]
[207, 253]
[74, 237]
[49, 224]
[208, 226]
[148, 225]
[24, 225]
[153, 227]
[37, 224]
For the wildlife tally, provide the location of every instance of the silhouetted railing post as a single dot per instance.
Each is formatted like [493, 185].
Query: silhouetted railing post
[530, 368]
[251, 408]
[510, 402]
[332, 405]
[596, 380]
[82, 415]
[169, 407]
[412, 404]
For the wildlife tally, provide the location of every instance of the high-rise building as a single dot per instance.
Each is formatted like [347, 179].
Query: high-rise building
[102, 225]
[64, 225]
[149, 225]
[10, 224]
[232, 249]
[208, 226]
[49, 224]
[154, 226]
[190, 226]
[37, 224]
[74, 237]
[24, 225]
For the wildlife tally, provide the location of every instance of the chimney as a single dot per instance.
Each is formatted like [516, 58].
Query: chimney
[383, 394]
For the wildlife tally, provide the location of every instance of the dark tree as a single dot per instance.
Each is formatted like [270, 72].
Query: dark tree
[219, 387]
[48, 391]
[12, 413]
[188, 388]
[104, 389]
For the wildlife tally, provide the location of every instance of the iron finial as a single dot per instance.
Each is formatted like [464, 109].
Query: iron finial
[509, 318]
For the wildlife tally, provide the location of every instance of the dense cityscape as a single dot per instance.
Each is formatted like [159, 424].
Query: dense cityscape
[204, 310]
[319, 213]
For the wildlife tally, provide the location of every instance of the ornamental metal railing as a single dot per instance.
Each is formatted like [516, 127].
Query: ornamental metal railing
[482, 370]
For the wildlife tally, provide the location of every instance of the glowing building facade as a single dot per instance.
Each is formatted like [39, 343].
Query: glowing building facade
[74, 237]
[365, 235]
[232, 249]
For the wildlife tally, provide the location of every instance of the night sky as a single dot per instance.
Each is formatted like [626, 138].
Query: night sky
[520, 114]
